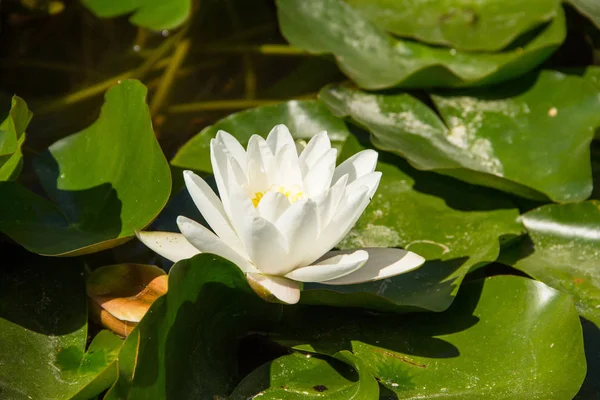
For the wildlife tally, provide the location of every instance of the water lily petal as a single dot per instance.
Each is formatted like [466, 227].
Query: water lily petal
[342, 221]
[272, 205]
[370, 180]
[207, 242]
[234, 148]
[224, 173]
[170, 245]
[275, 288]
[328, 201]
[314, 150]
[240, 205]
[211, 208]
[265, 245]
[360, 164]
[337, 266]
[382, 263]
[260, 161]
[318, 179]
[349, 211]
[287, 172]
[280, 137]
[299, 225]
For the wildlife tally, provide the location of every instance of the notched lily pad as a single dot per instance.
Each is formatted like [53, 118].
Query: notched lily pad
[376, 60]
[530, 137]
[103, 183]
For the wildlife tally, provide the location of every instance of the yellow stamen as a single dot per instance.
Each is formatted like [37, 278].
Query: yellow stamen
[257, 197]
[291, 196]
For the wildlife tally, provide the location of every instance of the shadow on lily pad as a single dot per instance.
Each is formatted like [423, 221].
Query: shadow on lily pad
[591, 338]
[327, 330]
[430, 287]
[68, 222]
[41, 294]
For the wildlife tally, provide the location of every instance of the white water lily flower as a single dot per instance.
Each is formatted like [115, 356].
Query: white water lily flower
[279, 214]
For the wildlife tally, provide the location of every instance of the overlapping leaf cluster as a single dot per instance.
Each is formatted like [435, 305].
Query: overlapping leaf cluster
[488, 158]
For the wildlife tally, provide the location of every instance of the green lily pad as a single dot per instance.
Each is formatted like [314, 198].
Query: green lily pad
[12, 136]
[595, 150]
[151, 14]
[592, 75]
[304, 119]
[466, 233]
[43, 333]
[486, 25]
[589, 8]
[185, 346]
[104, 183]
[564, 252]
[505, 337]
[294, 377]
[376, 60]
[544, 121]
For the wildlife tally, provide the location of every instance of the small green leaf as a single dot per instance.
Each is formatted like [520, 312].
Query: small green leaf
[104, 183]
[564, 252]
[300, 376]
[505, 337]
[544, 121]
[185, 346]
[43, 332]
[12, 136]
[151, 14]
[486, 25]
[376, 60]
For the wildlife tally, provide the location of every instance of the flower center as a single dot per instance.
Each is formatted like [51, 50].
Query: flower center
[293, 194]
